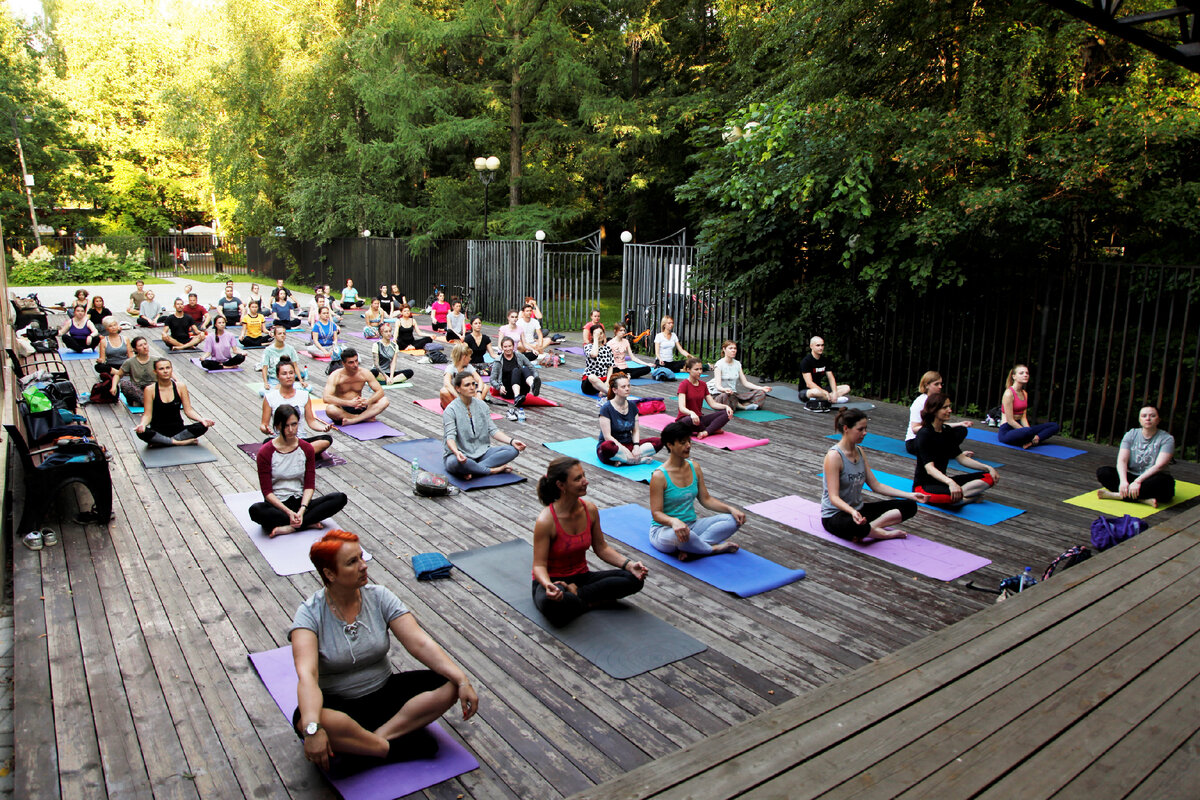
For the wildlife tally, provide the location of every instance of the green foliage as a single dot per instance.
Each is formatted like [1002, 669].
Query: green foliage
[96, 263]
[38, 268]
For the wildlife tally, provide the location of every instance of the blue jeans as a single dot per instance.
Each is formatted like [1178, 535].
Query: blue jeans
[1018, 437]
[703, 534]
[495, 457]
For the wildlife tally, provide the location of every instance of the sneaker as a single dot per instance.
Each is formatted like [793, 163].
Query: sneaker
[49, 537]
[751, 407]
[813, 406]
[520, 415]
[33, 540]
[512, 415]
[823, 406]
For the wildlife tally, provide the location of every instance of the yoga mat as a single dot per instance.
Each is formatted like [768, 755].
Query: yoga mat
[571, 386]
[578, 351]
[886, 444]
[931, 559]
[429, 453]
[71, 355]
[413, 353]
[985, 512]
[759, 415]
[1184, 491]
[363, 431]
[326, 359]
[531, 400]
[278, 673]
[287, 555]
[408, 384]
[164, 347]
[724, 439]
[156, 457]
[196, 361]
[434, 404]
[129, 408]
[1053, 450]
[585, 450]
[742, 573]
[632, 381]
[788, 394]
[624, 640]
[325, 459]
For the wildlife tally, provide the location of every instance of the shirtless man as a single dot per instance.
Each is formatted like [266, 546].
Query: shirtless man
[343, 398]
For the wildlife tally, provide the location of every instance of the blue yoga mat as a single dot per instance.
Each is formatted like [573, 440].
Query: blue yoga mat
[71, 355]
[985, 512]
[632, 381]
[570, 386]
[1059, 451]
[585, 450]
[885, 444]
[429, 453]
[742, 573]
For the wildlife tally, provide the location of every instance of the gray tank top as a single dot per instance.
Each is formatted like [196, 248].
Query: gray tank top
[850, 484]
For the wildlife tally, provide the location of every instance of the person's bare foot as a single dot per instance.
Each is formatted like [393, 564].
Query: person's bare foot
[1149, 501]
[184, 442]
[683, 555]
[282, 530]
[702, 435]
[886, 533]
[1027, 445]
[498, 470]
[725, 547]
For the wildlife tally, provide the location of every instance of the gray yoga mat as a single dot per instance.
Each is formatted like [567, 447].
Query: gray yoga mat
[624, 641]
[154, 457]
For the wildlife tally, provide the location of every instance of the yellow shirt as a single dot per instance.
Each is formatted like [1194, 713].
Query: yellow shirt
[254, 325]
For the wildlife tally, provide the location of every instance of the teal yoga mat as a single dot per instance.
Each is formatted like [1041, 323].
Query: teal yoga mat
[985, 512]
[585, 450]
[624, 640]
[759, 415]
[743, 573]
[886, 444]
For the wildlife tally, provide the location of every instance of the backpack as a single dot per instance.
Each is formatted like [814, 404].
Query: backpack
[652, 406]
[1108, 531]
[429, 485]
[44, 340]
[1066, 560]
[62, 394]
[100, 393]
[436, 357]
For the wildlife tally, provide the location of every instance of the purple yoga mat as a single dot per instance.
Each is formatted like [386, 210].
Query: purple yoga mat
[923, 556]
[326, 459]
[434, 404]
[363, 431]
[287, 555]
[196, 361]
[386, 782]
[573, 350]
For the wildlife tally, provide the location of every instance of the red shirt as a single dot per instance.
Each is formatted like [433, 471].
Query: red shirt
[693, 396]
[196, 312]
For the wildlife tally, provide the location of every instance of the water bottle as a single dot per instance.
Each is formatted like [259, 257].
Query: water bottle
[304, 374]
[416, 470]
[1027, 579]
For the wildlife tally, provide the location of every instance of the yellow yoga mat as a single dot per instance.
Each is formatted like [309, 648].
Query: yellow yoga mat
[1184, 491]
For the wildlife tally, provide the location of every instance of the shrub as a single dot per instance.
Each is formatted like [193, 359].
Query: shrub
[38, 268]
[95, 263]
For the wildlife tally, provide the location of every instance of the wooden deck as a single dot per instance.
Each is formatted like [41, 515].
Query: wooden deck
[132, 677]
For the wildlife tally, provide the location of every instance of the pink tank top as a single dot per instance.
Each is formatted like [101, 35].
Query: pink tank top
[568, 550]
[1020, 404]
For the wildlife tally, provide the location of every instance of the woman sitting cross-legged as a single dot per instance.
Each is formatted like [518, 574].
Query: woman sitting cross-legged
[563, 587]
[373, 317]
[728, 376]
[623, 357]
[620, 442]
[468, 429]
[1141, 472]
[221, 350]
[351, 706]
[312, 430]
[599, 365]
[843, 512]
[931, 383]
[386, 354]
[287, 477]
[254, 327]
[113, 350]
[937, 443]
[285, 312]
[78, 333]
[460, 361]
[674, 489]
[165, 401]
[692, 394]
[1016, 428]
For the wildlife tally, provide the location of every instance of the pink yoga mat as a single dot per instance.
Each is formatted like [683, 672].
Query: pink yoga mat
[938, 561]
[278, 674]
[326, 459]
[196, 361]
[724, 439]
[434, 404]
[363, 431]
[531, 401]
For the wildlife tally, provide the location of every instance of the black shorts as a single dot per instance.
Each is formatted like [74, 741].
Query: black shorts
[372, 710]
[439, 326]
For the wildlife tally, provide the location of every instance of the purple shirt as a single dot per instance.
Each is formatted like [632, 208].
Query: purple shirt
[219, 348]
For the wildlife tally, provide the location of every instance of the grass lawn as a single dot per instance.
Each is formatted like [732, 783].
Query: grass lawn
[125, 282]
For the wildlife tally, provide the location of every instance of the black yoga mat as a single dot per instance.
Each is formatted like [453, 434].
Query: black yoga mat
[624, 641]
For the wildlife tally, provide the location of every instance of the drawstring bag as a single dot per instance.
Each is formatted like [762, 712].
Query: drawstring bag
[36, 399]
[1108, 531]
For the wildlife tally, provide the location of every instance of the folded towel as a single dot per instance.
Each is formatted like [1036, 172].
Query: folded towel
[430, 566]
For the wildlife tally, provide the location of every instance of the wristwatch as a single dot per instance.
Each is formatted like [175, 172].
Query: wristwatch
[311, 728]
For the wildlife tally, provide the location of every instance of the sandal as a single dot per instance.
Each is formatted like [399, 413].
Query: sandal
[33, 540]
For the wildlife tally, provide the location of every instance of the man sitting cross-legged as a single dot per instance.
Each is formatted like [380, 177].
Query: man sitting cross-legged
[181, 333]
[814, 369]
[344, 402]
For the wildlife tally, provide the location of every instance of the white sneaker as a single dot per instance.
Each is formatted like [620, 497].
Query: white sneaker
[512, 415]
[751, 407]
[842, 400]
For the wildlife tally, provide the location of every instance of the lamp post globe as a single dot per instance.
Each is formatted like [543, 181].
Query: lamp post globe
[626, 237]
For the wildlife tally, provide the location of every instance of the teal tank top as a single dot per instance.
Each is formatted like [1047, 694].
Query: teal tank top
[680, 501]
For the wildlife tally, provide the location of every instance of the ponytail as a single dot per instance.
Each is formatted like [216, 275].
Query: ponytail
[548, 488]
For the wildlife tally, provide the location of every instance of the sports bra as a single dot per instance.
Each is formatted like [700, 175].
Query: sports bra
[1020, 404]
[567, 551]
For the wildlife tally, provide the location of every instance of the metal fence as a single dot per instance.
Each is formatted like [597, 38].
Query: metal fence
[1101, 340]
[501, 274]
[657, 280]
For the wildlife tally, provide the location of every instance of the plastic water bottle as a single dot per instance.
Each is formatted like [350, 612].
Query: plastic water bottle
[416, 470]
[304, 373]
[1027, 579]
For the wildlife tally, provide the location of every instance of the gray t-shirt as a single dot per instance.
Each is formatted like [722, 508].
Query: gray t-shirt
[150, 309]
[472, 430]
[300, 399]
[142, 375]
[351, 663]
[1144, 452]
[850, 484]
[726, 374]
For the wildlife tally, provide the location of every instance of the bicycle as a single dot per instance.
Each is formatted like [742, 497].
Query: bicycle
[437, 287]
[639, 337]
[465, 294]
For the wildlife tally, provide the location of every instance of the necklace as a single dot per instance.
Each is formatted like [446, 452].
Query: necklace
[350, 629]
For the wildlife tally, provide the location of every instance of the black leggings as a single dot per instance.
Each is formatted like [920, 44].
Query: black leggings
[634, 370]
[842, 525]
[255, 341]
[373, 709]
[378, 373]
[288, 323]
[79, 345]
[319, 508]
[233, 361]
[155, 439]
[674, 366]
[1160, 486]
[594, 589]
[938, 496]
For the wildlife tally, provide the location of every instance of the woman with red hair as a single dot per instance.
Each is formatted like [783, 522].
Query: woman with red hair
[351, 704]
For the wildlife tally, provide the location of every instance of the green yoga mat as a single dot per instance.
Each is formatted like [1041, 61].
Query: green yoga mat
[760, 415]
[1184, 491]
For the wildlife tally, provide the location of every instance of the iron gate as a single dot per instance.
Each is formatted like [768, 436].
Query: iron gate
[564, 277]
[569, 282]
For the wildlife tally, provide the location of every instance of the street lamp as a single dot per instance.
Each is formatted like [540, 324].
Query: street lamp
[626, 237]
[37, 235]
[540, 236]
[486, 168]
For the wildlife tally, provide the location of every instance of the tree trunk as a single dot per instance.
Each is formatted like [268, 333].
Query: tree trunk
[514, 124]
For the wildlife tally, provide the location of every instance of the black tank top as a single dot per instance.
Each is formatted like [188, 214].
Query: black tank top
[165, 417]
